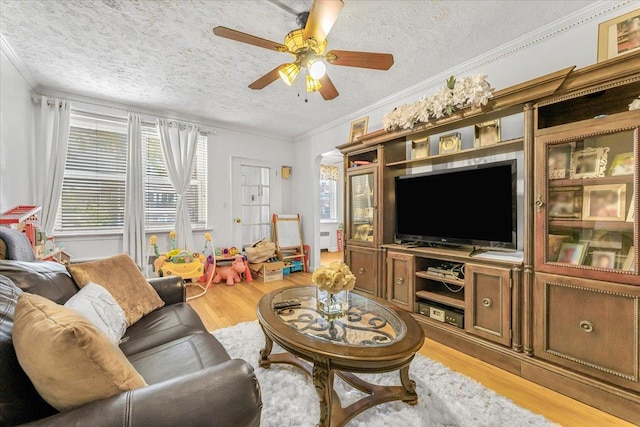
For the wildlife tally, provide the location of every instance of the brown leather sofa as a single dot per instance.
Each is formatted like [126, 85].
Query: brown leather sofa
[192, 380]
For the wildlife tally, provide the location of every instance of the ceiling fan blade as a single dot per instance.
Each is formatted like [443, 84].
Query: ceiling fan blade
[228, 33]
[322, 16]
[267, 79]
[376, 61]
[327, 89]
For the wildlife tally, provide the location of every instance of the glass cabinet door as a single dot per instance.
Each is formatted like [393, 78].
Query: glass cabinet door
[362, 206]
[589, 214]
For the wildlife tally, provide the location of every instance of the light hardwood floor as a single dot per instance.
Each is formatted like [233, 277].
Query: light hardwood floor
[224, 306]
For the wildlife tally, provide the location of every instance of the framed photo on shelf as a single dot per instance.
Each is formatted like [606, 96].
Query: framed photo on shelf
[632, 210]
[572, 253]
[450, 143]
[487, 133]
[619, 36]
[589, 163]
[555, 242]
[603, 259]
[604, 202]
[629, 260]
[559, 161]
[358, 128]
[604, 239]
[565, 203]
[420, 148]
[622, 164]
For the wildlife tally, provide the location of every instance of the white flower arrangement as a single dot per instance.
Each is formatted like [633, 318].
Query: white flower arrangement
[457, 94]
[334, 277]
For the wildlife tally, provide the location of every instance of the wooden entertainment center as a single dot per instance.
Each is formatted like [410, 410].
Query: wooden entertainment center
[564, 310]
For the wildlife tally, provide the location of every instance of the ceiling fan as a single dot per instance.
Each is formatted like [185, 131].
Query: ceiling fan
[307, 45]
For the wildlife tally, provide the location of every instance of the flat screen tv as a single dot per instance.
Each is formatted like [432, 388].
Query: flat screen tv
[469, 206]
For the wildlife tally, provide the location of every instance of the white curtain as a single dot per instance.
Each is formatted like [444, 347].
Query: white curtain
[134, 239]
[53, 139]
[179, 142]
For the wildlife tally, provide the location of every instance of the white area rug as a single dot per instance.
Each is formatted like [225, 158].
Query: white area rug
[445, 397]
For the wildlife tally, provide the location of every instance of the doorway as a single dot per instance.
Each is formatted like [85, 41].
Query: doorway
[253, 189]
[331, 206]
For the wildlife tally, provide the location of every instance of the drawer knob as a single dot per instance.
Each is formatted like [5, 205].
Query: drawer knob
[586, 326]
[487, 302]
[361, 270]
[400, 280]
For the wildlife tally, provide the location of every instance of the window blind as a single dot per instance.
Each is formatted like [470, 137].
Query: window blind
[93, 188]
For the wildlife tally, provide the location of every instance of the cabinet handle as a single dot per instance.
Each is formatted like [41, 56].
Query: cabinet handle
[486, 302]
[586, 326]
[361, 270]
[539, 203]
[400, 280]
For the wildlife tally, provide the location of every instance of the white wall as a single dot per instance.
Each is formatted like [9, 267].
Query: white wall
[571, 41]
[17, 185]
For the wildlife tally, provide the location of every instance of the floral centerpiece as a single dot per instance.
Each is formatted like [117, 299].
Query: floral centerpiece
[333, 282]
[456, 95]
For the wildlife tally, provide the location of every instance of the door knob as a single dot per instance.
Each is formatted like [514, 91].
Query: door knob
[238, 220]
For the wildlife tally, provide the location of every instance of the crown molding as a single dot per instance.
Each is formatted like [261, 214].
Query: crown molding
[17, 62]
[598, 10]
[98, 105]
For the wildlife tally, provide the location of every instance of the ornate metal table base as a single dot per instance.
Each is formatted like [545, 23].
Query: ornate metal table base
[332, 414]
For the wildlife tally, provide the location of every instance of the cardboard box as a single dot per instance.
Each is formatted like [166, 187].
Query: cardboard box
[267, 271]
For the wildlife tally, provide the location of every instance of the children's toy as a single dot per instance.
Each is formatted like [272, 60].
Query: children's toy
[230, 273]
[188, 265]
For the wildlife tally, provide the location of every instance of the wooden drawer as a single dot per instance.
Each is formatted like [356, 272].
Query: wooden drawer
[363, 264]
[400, 280]
[589, 326]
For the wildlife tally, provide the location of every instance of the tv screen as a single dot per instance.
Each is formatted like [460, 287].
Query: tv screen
[474, 206]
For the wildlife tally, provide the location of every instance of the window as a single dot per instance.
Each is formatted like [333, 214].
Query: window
[93, 189]
[328, 192]
[160, 197]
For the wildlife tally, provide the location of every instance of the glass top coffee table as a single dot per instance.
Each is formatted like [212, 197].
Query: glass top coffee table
[372, 337]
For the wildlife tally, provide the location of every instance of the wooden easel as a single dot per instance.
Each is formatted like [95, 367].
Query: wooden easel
[287, 235]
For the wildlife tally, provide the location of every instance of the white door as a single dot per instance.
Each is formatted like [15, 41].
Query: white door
[252, 200]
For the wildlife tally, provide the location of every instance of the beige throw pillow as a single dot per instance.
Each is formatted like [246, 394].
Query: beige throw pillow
[68, 360]
[120, 276]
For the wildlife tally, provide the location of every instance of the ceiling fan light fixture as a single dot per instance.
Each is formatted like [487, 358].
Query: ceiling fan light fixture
[317, 69]
[288, 73]
[294, 41]
[312, 84]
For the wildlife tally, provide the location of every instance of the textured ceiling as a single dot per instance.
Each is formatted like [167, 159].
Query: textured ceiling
[163, 55]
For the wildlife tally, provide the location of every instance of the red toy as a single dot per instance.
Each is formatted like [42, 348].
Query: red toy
[232, 274]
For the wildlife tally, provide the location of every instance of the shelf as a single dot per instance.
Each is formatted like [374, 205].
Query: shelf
[501, 147]
[600, 225]
[426, 275]
[621, 179]
[442, 297]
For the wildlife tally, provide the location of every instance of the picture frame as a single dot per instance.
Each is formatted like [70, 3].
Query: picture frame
[420, 148]
[572, 253]
[622, 164]
[605, 239]
[451, 143]
[619, 36]
[559, 160]
[565, 203]
[589, 163]
[487, 133]
[555, 242]
[604, 202]
[603, 259]
[358, 128]
[629, 259]
[631, 216]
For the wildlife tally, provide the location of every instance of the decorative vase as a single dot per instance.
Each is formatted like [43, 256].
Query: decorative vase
[332, 304]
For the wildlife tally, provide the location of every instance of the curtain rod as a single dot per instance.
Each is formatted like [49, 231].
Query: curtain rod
[36, 100]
